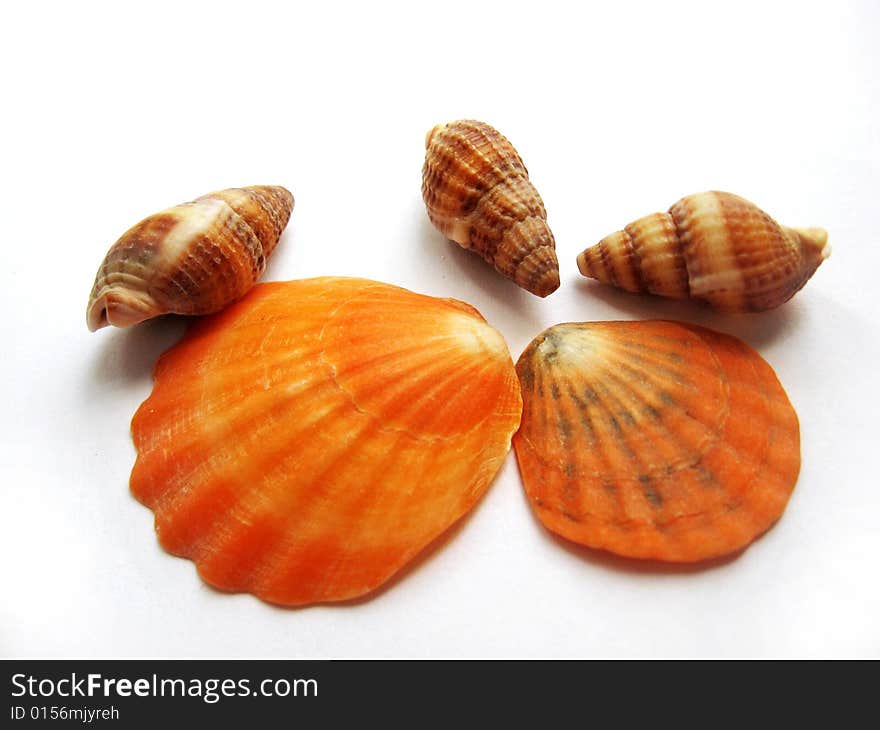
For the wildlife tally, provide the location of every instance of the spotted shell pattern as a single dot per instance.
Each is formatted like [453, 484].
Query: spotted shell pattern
[478, 193]
[655, 440]
[194, 258]
[715, 247]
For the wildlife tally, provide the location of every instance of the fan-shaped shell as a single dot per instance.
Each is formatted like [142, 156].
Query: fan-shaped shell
[654, 439]
[715, 247]
[307, 442]
[194, 258]
[477, 192]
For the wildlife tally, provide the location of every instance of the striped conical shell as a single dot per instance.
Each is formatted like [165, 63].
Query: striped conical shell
[311, 439]
[194, 258]
[478, 194]
[715, 247]
[653, 439]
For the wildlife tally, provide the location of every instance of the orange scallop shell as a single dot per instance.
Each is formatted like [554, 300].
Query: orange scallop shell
[654, 439]
[307, 442]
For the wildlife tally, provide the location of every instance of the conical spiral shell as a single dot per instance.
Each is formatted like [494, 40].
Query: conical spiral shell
[311, 439]
[653, 439]
[715, 247]
[194, 258]
[477, 192]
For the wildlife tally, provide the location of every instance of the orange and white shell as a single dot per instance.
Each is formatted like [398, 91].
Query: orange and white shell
[311, 439]
[655, 440]
[715, 247]
[478, 193]
[194, 258]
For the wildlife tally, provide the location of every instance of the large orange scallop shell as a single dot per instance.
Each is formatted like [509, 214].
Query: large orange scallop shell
[478, 193]
[194, 258]
[310, 440]
[714, 247]
[654, 439]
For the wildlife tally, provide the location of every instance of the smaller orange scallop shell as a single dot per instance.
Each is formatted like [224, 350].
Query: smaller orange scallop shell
[307, 442]
[654, 439]
[714, 247]
[194, 258]
[478, 194]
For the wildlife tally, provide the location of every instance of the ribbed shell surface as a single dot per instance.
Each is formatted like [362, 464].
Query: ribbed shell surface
[715, 247]
[194, 258]
[311, 439]
[478, 194]
[654, 440]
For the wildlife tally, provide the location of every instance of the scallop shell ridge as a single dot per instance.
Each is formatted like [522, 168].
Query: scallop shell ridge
[654, 440]
[308, 441]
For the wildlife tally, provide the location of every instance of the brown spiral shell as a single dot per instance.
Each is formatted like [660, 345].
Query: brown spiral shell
[715, 247]
[194, 258]
[477, 192]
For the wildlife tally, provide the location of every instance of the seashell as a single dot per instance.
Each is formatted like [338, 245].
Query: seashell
[478, 194]
[307, 442]
[715, 247]
[194, 258]
[654, 439]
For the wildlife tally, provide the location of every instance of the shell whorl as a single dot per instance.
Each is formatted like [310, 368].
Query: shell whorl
[715, 247]
[194, 258]
[478, 193]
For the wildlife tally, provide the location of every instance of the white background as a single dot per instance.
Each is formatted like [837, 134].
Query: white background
[111, 113]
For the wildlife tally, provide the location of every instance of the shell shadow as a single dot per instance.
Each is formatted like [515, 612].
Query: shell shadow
[129, 355]
[471, 267]
[757, 328]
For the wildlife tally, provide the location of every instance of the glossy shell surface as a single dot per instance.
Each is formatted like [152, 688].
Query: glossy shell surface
[194, 258]
[655, 439]
[714, 247]
[307, 442]
[478, 194]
